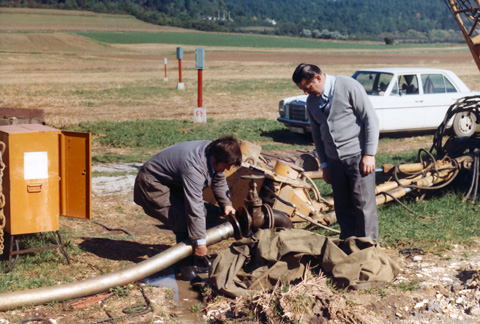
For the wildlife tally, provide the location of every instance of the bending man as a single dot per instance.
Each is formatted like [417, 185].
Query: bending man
[170, 186]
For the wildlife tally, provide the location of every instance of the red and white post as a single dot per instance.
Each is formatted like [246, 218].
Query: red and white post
[165, 79]
[180, 85]
[200, 114]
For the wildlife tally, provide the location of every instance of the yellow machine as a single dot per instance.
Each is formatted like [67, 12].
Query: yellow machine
[285, 187]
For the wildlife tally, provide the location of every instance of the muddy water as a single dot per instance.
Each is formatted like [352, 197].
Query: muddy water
[185, 296]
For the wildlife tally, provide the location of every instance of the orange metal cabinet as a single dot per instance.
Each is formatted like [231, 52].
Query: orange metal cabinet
[47, 174]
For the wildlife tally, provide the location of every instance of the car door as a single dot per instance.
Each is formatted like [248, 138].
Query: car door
[439, 94]
[402, 106]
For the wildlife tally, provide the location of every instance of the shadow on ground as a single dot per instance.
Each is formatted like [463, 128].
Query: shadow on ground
[287, 137]
[121, 250]
[407, 134]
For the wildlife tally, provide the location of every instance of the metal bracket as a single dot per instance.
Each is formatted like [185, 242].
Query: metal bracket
[14, 242]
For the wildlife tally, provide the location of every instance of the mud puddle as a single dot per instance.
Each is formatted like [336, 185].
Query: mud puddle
[187, 299]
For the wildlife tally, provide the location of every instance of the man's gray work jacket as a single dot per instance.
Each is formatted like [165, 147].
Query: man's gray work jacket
[186, 165]
[350, 127]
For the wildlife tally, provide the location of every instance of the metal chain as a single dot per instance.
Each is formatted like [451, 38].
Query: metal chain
[2, 198]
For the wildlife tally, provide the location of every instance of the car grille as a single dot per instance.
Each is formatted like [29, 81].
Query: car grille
[297, 112]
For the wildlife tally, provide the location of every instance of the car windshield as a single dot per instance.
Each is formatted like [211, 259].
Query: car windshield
[375, 83]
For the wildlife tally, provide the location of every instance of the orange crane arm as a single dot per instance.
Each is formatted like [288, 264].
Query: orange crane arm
[467, 16]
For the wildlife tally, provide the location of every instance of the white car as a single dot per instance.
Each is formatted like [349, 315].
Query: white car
[405, 99]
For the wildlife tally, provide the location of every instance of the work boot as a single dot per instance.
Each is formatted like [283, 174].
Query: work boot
[198, 283]
[188, 273]
[186, 268]
[202, 264]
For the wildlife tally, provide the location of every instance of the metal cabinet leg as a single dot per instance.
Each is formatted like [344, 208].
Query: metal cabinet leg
[10, 265]
[61, 246]
[14, 243]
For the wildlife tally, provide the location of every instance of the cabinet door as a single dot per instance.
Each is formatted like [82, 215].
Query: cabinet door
[31, 181]
[76, 175]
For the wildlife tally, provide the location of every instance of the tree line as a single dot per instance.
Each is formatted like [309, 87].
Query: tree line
[337, 19]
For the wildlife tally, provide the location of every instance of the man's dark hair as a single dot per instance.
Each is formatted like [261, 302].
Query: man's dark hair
[305, 71]
[226, 149]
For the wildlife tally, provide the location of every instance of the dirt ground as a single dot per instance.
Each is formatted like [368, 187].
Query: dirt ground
[75, 79]
[448, 285]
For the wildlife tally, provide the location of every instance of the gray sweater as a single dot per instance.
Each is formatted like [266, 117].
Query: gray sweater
[351, 126]
[186, 166]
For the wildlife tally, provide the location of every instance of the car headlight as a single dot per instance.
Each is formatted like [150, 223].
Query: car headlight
[281, 108]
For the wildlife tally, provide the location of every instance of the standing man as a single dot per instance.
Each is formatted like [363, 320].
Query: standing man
[170, 186]
[345, 132]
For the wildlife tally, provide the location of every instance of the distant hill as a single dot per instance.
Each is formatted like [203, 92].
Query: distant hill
[417, 20]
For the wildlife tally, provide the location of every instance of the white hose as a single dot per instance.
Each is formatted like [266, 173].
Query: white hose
[102, 283]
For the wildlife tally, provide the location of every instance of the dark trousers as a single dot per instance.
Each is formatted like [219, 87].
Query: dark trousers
[354, 198]
[167, 204]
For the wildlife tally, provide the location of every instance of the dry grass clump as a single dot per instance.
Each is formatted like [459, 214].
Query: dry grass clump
[310, 301]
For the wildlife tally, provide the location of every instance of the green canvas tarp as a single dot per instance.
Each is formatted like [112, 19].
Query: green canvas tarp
[260, 261]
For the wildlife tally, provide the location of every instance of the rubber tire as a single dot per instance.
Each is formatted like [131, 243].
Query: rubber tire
[469, 126]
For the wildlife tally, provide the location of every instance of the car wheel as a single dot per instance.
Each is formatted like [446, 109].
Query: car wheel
[464, 124]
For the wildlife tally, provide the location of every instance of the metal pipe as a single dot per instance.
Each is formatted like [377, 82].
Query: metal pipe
[394, 193]
[380, 199]
[391, 185]
[179, 70]
[281, 219]
[118, 278]
[314, 174]
[200, 89]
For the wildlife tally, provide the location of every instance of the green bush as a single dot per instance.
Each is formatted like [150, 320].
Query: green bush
[389, 40]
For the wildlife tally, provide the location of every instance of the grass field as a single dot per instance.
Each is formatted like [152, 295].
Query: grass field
[241, 40]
